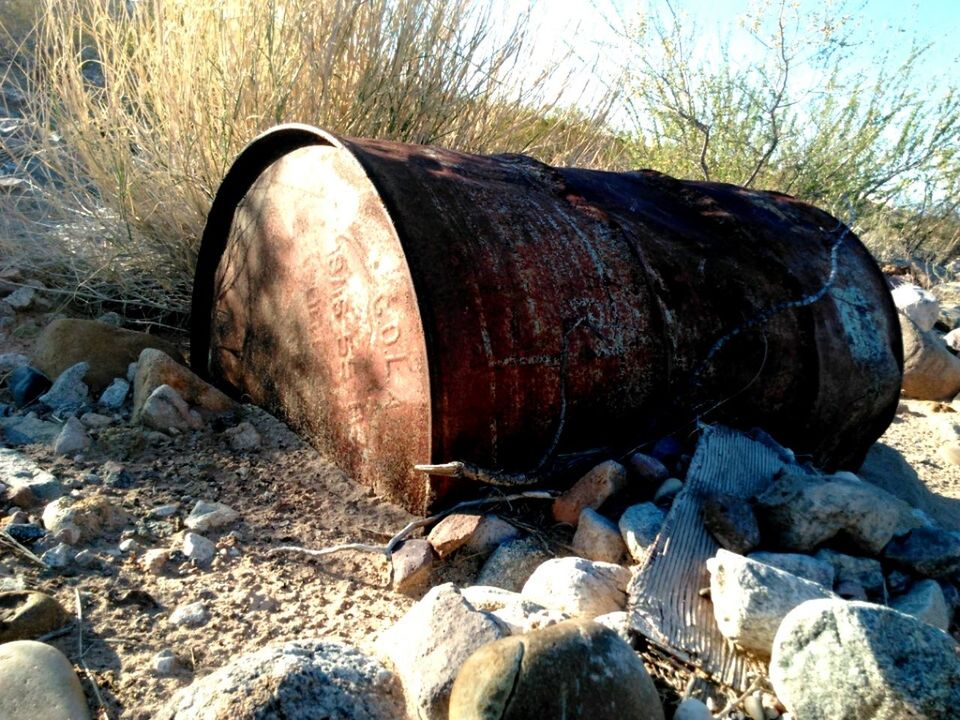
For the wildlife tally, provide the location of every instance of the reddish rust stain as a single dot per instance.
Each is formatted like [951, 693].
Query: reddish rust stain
[517, 288]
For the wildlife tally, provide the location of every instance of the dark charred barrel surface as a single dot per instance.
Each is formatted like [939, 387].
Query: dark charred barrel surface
[403, 304]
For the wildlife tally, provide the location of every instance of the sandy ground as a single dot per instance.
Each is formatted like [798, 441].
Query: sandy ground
[286, 493]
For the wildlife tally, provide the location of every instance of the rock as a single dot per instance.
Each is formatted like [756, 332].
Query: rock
[302, 679]
[198, 548]
[619, 622]
[163, 511]
[926, 551]
[598, 538]
[412, 563]
[116, 476]
[648, 469]
[243, 437]
[925, 602]
[22, 298]
[210, 515]
[25, 615]
[692, 709]
[59, 556]
[951, 453]
[156, 368]
[750, 599]
[803, 566]
[166, 410]
[452, 533]
[164, 663]
[490, 534]
[154, 560]
[850, 590]
[72, 439]
[114, 396]
[865, 572]
[68, 391]
[96, 421]
[430, 643]
[667, 491]
[577, 669]
[130, 545]
[512, 563]
[578, 587]
[26, 385]
[518, 614]
[25, 533]
[19, 472]
[106, 349]
[952, 339]
[38, 682]
[920, 305]
[132, 372]
[800, 512]
[191, 615]
[731, 522]
[930, 370]
[591, 491]
[91, 515]
[858, 661]
[898, 582]
[86, 558]
[639, 526]
[12, 361]
[29, 430]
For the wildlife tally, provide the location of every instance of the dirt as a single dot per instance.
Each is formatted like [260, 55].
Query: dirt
[286, 494]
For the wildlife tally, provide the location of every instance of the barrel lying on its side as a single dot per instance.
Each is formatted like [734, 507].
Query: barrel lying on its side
[402, 304]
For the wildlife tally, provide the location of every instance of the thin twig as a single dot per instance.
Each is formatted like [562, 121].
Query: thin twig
[80, 653]
[733, 704]
[11, 543]
[55, 633]
[388, 549]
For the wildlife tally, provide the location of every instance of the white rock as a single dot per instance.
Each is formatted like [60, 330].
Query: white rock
[72, 439]
[492, 532]
[198, 548]
[925, 602]
[598, 538]
[750, 599]
[518, 614]
[68, 391]
[165, 410]
[578, 587]
[431, 642]
[130, 545]
[918, 304]
[804, 566]
[114, 396]
[192, 615]
[619, 622]
[952, 339]
[163, 511]
[667, 491]
[209, 516]
[639, 526]
[164, 662]
[153, 560]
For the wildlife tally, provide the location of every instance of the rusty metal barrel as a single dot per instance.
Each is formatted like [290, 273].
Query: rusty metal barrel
[401, 304]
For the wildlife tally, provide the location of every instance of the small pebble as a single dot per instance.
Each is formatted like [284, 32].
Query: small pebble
[164, 662]
[58, 556]
[163, 511]
[668, 491]
[191, 615]
[86, 558]
[198, 548]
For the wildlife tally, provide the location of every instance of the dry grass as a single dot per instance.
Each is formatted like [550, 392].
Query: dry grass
[135, 111]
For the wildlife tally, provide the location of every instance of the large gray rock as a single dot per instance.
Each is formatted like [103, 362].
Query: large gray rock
[920, 305]
[930, 370]
[858, 661]
[72, 439]
[598, 538]
[207, 515]
[429, 644]
[577, 669]
[800, 512]
[156, 368]
[512, 563]
[69, 392]
[305, 679]
[803, 566]
[639, 526]
[865, 572]
[164, 409]
[750, 599]
[925, 601]
[578, 587]
[38, 683]
[931, 552]
[20, 472]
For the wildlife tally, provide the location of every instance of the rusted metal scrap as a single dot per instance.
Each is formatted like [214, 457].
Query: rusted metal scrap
[404, 305]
